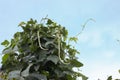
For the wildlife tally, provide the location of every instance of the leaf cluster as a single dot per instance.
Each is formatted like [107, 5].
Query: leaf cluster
[40, 52]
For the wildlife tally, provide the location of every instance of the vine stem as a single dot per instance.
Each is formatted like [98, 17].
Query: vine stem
[83, 26]
[39, 41]
[59, 39]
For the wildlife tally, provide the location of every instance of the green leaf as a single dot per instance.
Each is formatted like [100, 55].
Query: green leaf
[59, 73]
[75, 39]
[49, 21]
[109, 78]
[53, 58]
[83, 76]
[5, 43]
[65, 33]
[69, 77]
[5, 58]
[76, 63]
[22, 24]
[68, 72]
[34, 76]
[42, 56]
[45, 73]
[119, 71]
[29, 58]
[7, 50]
[48, 42]
[15, 75]
[25, 73]
[17, 36]
[50, 45]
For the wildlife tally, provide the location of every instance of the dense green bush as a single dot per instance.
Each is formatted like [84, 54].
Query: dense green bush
[40, 52]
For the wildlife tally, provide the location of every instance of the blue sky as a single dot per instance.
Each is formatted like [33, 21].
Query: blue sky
[100, 51]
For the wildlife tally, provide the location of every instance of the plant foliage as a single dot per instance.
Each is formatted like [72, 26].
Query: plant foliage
[40, 52]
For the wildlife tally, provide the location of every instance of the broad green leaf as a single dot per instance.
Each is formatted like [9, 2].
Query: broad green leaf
[69, 77]
[45, 73]
[7, 50]
[59, 73]
[5, 43]
[37, 76]
[5, 58]
[109, 78]
[25, 73]
[119, 71]
[29, 58]
[53, 58]
[49, 42]
[42, 56]
[49, 22]
[76, 63]
[15, 75]
[50, 45]
[65, 33]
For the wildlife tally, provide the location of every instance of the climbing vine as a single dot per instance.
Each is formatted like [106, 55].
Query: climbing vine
[40, 52]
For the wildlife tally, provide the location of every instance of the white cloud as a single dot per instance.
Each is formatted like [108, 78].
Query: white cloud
[102, 71]
[94, 38]
[109, 54]
[112, 29]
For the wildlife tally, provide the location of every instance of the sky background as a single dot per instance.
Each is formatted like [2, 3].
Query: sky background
[98, 45]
